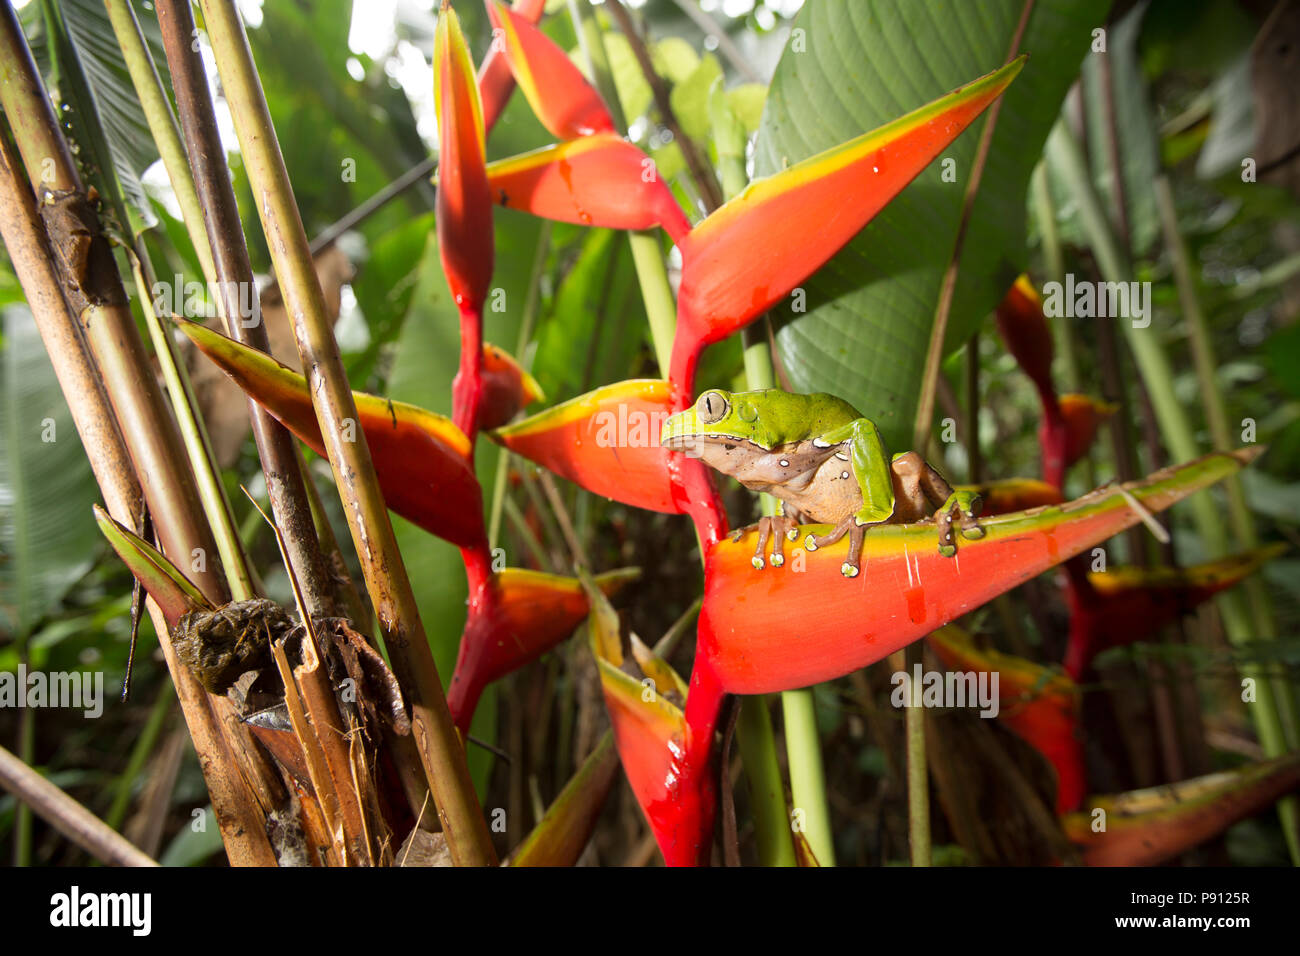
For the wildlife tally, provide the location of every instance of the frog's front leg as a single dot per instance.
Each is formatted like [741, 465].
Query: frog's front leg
[778, 528]
[962, 506]
[870, 465]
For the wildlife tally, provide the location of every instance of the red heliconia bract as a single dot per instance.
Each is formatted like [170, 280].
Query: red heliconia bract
[907, 589]
[666, 763]
[600, 180]
[752, 252]
[495, 81]
[528, 614]
[560, 96]
[1150, 827]
[1038, 705]
[422, 459]
[1122, 606]
[507, 388]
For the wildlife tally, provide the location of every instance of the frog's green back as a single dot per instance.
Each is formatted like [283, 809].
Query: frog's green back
[787, 417]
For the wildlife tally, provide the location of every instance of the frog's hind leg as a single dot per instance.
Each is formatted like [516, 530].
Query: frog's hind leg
[963, 506]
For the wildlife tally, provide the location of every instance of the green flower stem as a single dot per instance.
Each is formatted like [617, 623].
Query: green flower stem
[1216, 416]
[1153, 364]
[807, 777]
[212, 493]
[758, 752]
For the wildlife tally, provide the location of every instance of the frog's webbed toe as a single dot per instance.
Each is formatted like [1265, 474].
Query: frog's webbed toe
[961, 508]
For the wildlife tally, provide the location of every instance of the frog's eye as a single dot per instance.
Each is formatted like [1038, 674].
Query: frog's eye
[711, 407]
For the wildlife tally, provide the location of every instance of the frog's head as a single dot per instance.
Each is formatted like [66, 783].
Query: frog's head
[723, 425]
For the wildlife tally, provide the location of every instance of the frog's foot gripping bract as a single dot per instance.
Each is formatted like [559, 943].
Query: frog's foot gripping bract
[963, 507]
[780, 529]
[857, 533]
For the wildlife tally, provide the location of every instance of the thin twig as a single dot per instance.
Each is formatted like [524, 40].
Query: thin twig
[67, 815]
[701, 171]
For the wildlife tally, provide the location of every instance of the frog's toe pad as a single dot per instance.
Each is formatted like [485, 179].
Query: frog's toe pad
[849, 570]
[947, 550]
[972, 531]
[757, 562]
[810, 543]
[778, 559]
[792, 534]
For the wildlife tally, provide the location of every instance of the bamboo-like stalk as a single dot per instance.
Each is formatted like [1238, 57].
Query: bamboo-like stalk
[67, 815]
[441, 751]
[212, 493]
[223, 234]
[162, 125]
[242, 824]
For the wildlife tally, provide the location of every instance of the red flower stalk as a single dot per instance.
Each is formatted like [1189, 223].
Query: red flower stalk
[464, 214]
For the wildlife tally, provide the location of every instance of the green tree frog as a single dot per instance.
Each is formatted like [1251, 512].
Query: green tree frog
[825, 462]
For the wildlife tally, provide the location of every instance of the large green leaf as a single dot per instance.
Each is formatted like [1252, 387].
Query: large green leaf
[46, 486]
[852, 65]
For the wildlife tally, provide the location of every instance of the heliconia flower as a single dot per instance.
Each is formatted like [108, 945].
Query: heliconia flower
[423, 460]
[1082, 415]
[675, 792]
[1121, 606]
[754, 633]
[495, 81]
[1037, 704]
[567, 105]
[562, 834]
[507, 388]
[464, 214]
[607, 441]
[1149, 827]
[171, 590]
[1024, 330]
[752, 252]
[1014, 494]
[528, 614]
[599, 180]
